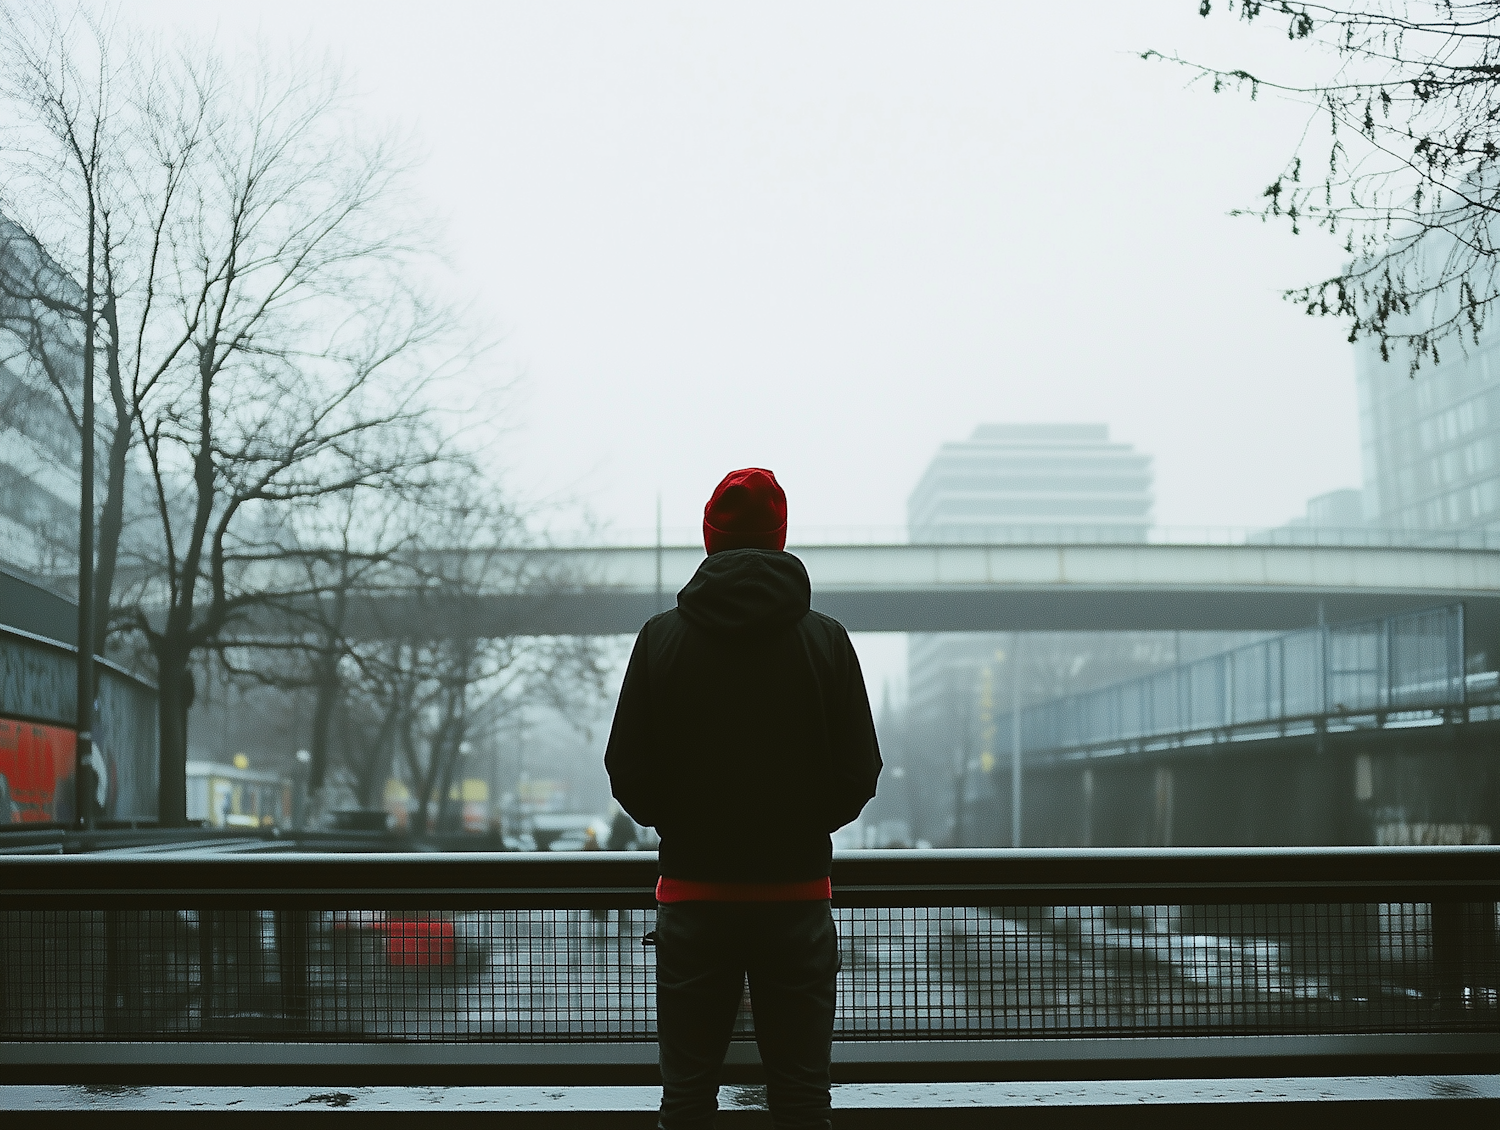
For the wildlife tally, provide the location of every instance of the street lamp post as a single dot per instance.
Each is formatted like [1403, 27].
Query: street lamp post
[84, 743]
[1015, 739]
[300, 799]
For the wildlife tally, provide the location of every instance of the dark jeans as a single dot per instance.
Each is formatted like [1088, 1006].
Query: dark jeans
[704, 951]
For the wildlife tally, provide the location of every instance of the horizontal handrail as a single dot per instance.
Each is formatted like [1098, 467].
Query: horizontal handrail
[1333, 954]
[997, 533]
[952, 877]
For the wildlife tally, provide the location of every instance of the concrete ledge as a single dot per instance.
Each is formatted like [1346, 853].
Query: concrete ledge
[416, 1064]
[1155, 1103]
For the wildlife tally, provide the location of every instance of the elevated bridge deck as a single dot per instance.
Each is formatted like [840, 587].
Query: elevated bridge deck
[608, 590]
[935, 588]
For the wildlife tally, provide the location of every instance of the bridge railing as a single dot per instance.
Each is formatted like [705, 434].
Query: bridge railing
[969, 962]
[1409, 665]
[1053, 534]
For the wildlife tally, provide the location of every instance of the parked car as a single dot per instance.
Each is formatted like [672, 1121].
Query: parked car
[408, 943]
[568, 831]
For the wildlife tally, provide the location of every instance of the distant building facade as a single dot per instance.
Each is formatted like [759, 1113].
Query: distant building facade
[1010, 483]
[40, 363]
[1430, 444]
[1018, 483]
[1335, 517]
[1033, 482]
[1336, 509]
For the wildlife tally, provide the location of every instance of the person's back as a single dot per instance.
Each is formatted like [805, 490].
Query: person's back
[745, 698]
[743, 734]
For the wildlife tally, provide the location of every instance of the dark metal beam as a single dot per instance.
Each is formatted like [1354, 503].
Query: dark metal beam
[942, 877]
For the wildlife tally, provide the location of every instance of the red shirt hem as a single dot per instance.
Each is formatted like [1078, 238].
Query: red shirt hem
[691, 890]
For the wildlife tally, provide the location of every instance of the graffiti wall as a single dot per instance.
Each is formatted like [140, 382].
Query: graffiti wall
[36, 773]
[37, 701]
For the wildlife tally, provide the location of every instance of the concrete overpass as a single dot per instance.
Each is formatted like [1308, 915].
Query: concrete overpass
[933, 588]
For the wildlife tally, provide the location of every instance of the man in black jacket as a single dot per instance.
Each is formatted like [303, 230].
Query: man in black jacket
[743, 734]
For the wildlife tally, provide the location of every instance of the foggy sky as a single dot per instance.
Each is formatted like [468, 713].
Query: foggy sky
[826, 238]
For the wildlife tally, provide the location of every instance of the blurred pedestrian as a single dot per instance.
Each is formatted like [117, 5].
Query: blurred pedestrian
[743, 735]
[622, 832]
[88, 794]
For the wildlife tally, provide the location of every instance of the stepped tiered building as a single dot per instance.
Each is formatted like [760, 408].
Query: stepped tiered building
[1011, 483]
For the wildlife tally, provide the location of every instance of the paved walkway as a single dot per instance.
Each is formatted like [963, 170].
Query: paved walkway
[1383, 1100]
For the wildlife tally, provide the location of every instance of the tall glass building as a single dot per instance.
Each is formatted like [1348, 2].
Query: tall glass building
[1430, 443]
[40, 361]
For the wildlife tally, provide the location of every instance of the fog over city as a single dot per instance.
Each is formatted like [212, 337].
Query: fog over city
[915, 559]
[964, 274]
[827, 238]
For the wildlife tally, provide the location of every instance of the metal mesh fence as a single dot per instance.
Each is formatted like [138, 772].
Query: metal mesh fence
[908, 973]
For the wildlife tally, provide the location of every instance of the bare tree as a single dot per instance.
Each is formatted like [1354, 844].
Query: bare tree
[1405, 171]
[300, 641]
[264, 324]
[440, 692]
[369, 633]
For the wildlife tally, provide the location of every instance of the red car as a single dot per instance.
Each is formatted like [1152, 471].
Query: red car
[409, 942]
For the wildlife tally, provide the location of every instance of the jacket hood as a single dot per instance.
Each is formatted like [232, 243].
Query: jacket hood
[746, 591]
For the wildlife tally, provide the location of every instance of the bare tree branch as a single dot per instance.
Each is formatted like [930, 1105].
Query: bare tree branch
[1406, 172]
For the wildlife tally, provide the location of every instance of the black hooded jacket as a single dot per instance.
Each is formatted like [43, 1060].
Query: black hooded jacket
[743, 732]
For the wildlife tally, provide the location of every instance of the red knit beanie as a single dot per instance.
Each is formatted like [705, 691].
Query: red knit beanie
[747, 511]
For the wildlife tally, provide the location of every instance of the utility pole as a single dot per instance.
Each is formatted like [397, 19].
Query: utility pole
[83, 748]
[960, 786]
[658, 551]
[960, 760]
[1015, 739]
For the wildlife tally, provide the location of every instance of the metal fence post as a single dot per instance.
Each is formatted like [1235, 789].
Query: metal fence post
[7, 947]
[1386, 691]
[205, 968]
[1325, 662]
[292, 951]
[1448, 956]
[113, 1002]
[1281, 681]
[1459, 657]
[1015, 740]
[1229, 689]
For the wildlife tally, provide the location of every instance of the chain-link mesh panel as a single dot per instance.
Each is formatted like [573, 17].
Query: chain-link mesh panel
[908, 973]
[969, 972]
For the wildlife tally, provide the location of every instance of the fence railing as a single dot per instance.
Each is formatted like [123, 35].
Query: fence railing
[996, 533]
[995, 949]
[1403, 664]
